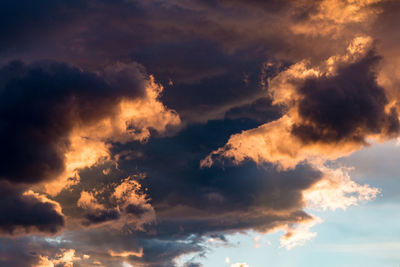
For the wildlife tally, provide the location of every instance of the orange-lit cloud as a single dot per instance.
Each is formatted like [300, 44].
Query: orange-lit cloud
[72, 127]
[275, 142]
[279, 142]
[66, 259]
[135, 203]
[331, 17]
[138, 254]
[90, 144]
[89, 202]
[128, 207]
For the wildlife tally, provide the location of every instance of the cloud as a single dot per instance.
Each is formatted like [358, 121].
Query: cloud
[337, 191]
[67, 259]
[126, 253]
[332, 110]
[276, 89]
[189, 205]
[193, 264]
[56, 120]
[71, 117]
[190, 201]
[206, 49]
[125, 206]
[299, 235]
[28, 212]
[359, 104]
[240, 264]
[88, 201]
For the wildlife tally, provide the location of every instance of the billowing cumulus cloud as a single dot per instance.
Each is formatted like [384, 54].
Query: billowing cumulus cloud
[134, 132]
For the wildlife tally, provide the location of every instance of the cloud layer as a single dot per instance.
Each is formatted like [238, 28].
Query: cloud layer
[134, 131]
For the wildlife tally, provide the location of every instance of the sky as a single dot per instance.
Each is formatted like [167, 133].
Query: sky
[199, 133]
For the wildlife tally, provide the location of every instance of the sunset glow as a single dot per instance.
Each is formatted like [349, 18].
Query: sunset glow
[188, 133]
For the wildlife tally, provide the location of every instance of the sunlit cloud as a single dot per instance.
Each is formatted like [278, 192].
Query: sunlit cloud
[128, 207]
[300, 234]
[90, 144]
[276, 141]
[147, 132]
[138, 254]
[66, 259]
[332, 16]
[281, 142]
[240, 264]
[337, 191]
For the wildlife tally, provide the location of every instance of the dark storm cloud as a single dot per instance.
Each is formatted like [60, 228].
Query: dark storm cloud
[206, 82]
[40, 104]
[192, 203]
[206, 58]
[22, 212]
[348, 106]
[193, 200]
[94, 33]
